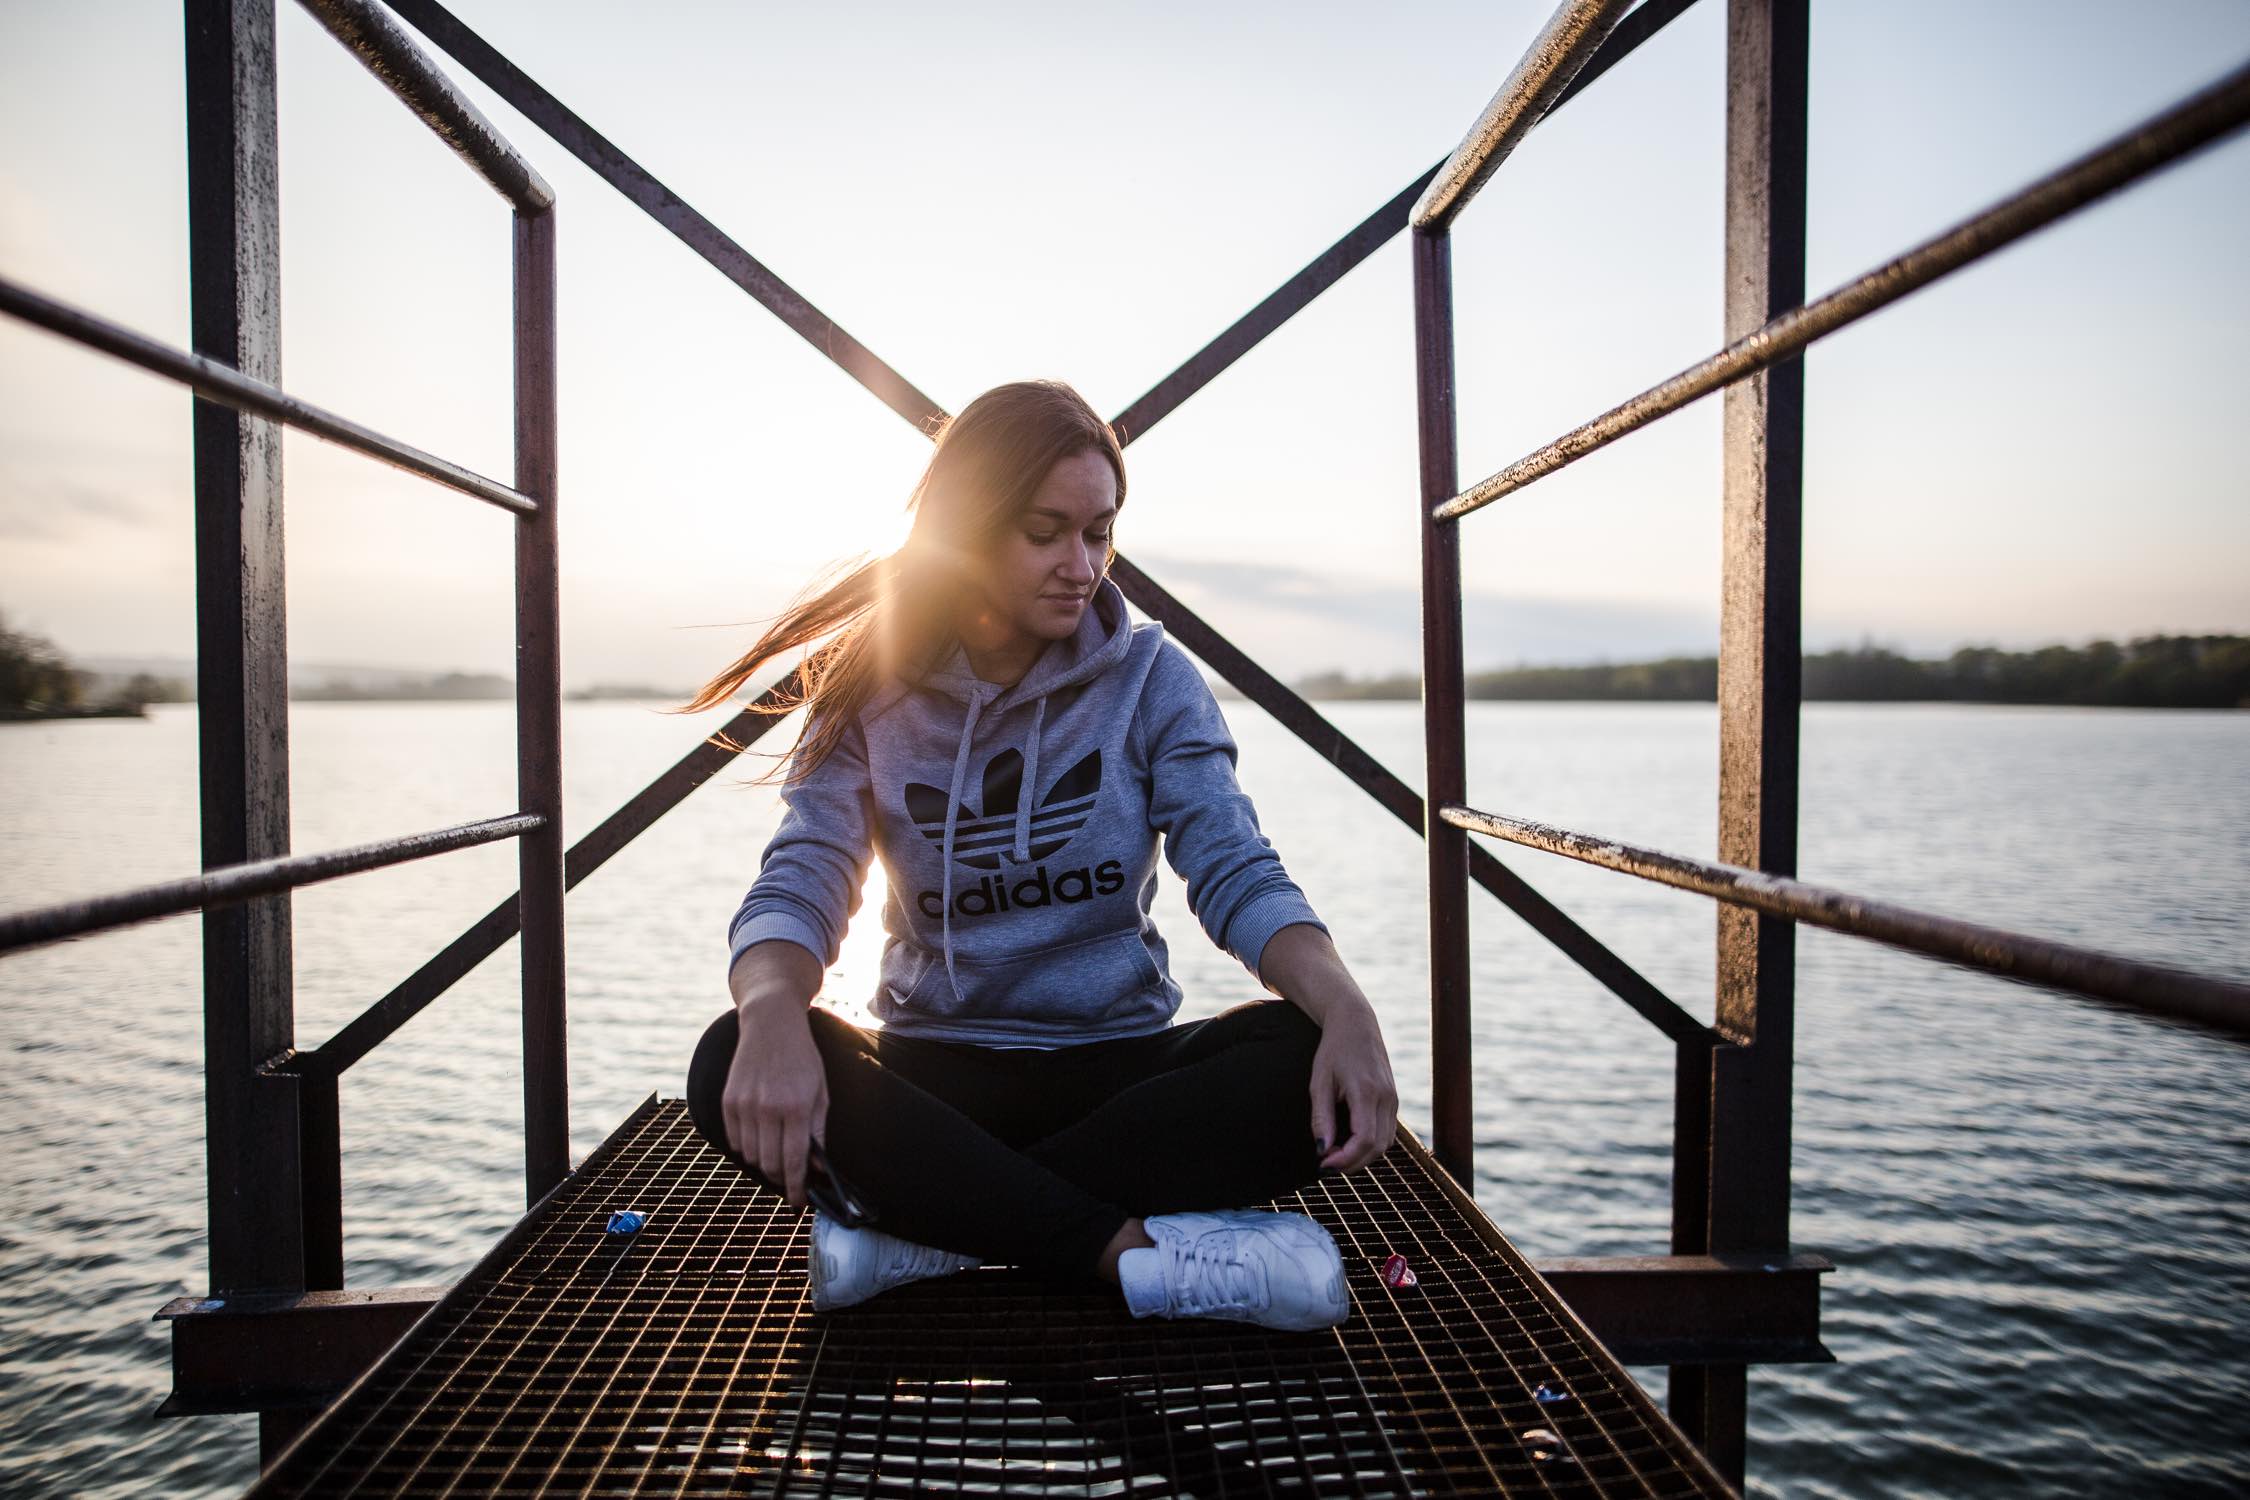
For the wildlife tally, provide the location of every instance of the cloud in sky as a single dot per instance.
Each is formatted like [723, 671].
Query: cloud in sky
[54, 508]
[1298, 621]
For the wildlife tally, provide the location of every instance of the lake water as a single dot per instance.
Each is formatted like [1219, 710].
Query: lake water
[2039, 1208]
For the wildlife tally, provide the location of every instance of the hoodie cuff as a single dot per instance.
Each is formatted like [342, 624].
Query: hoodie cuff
[776, 924]
[1254, 926]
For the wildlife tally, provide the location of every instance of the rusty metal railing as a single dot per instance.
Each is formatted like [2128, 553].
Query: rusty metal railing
[1732, 1086]
[230, 387]
[2200, 120]
[238, 883]
[2218, 1003]
[273, 1148]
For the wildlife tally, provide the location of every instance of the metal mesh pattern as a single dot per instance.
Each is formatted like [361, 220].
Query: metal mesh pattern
[692, 1364]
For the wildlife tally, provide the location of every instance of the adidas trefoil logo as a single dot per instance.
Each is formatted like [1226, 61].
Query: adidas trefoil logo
[980, 840]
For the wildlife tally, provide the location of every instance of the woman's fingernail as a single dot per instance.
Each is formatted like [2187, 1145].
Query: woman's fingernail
[1320, 1144]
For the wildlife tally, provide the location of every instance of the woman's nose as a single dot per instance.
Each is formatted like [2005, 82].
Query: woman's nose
[1078, 567]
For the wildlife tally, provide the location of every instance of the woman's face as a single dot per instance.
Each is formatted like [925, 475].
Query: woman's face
[1040, 575]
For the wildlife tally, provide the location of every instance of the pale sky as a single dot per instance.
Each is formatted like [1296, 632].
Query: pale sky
[2048, 446]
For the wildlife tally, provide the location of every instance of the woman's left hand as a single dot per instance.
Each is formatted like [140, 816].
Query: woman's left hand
[1352, 1065]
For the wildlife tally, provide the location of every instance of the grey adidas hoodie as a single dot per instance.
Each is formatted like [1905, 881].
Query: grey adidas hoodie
[1018, 827]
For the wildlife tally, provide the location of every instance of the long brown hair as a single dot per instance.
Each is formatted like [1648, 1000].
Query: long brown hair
[893, 615]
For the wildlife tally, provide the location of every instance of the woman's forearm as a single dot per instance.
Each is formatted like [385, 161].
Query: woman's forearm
[1302, 966]
[776, 1095]
[1351, 1072]
[776, 974]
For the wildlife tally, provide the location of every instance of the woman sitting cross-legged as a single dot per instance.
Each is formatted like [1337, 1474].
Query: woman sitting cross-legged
[985, 717]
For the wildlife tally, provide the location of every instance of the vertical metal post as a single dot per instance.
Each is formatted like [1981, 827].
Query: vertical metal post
[242, 668]
[1452, 1125]
[322, 1152]
[1691, 1145]
[546, 1069]
[1760, 670]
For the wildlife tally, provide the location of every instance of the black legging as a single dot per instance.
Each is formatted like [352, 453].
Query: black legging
[1036, 1157]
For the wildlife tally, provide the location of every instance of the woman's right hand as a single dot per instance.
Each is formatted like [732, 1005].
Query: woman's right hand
[776, 1098]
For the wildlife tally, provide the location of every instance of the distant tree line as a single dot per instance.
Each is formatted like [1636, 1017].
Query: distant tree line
[2158, 671]
[37, 683]
[444, 687]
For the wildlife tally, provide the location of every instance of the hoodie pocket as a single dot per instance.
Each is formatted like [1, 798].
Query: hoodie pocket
[911, 967]
[1090, 980]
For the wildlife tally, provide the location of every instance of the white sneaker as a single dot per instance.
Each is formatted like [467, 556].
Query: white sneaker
[1276, 1270]
[851, 1265]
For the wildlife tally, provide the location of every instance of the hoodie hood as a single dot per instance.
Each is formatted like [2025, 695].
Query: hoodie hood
[1103, 636]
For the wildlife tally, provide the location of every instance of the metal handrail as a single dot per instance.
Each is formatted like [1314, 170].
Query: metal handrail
[229, 885]
[485, 937]
[668, 208]
[228, 386]
[2011, 955]
[2200, 120]
[378, 41]
[1365, 238]
[1404, 803]
[1569, 40]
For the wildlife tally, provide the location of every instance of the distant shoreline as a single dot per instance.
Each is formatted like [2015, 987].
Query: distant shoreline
[13, 715]
[2153, 672]
[2202, 672]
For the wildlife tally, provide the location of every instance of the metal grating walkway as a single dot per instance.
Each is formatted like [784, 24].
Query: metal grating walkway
[694, 1365]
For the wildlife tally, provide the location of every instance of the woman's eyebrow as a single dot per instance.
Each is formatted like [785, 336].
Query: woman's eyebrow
[1044, 510]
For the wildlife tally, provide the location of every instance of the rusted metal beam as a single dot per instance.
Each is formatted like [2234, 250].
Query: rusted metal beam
[668, 209]
[1283, 303]
[368, 31]
[1691, 1141]
[1761, 667]
[1368, 236]
[246, 1352]
[321, 1158]
[242, 665]
[244, 389]
[218, 889]
[490, 932]
[1698, 1309]
[1647, 19]
[2203, 119]
[1444, 732]
[1566, 44]
[2174, 993]
[1761, 635]
[546, 1070]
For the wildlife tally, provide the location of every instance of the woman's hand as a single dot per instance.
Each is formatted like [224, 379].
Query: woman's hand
[1354, 1066]
[776, 1096]
[1351, 1064]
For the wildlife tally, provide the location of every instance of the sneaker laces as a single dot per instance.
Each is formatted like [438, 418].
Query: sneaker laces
[906, 1259]
[912, 1262]
[1210, 1271]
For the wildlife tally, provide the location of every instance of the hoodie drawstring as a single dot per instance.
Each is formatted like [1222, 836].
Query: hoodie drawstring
[1030, 782]
[952, 812]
